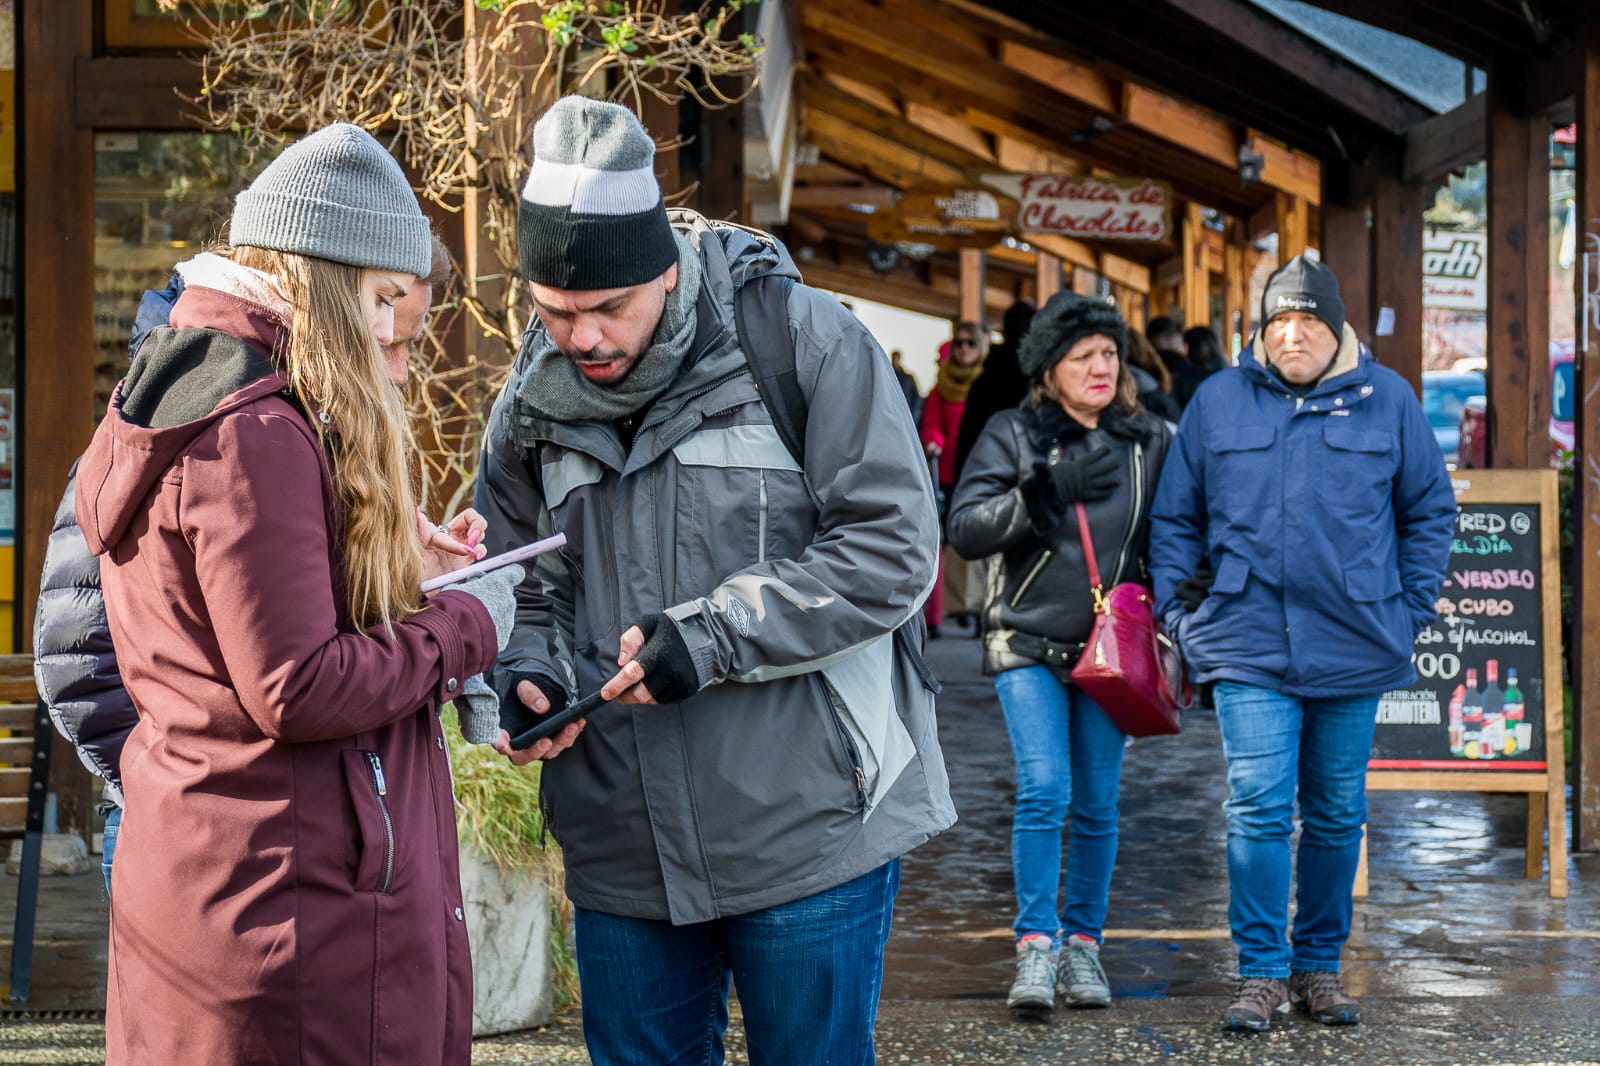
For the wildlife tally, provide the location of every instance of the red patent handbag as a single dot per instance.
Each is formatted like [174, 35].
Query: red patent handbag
[1129, 666]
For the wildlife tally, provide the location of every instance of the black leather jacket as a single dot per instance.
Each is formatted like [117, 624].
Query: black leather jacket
[1038, 607]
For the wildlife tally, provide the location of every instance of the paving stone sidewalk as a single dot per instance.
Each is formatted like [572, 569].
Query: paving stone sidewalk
[1457, 958]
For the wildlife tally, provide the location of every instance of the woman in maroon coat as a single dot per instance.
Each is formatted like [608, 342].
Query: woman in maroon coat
[286, 886]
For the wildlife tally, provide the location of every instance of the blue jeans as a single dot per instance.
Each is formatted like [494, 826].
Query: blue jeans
[1276, 746]
[1069, 761]
[109, 843]
[808, 975]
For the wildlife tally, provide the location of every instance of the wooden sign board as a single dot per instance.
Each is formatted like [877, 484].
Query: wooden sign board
[1088, 208]
[948, 219]
[1485, 713]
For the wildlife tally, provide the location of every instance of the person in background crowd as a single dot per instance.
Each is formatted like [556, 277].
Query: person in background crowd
[1151, 378]
[755, 615]
[908, 384]
[959, 367]
[1300, 537]
[286, 887]
[1002, 385]
[1080, 437]
[1168, 339]
[75, 665]
[1205, 350]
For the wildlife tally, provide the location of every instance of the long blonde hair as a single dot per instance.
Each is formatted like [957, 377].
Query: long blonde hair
[336, 369]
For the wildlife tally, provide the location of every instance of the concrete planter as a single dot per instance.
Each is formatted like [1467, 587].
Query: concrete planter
[508, 923]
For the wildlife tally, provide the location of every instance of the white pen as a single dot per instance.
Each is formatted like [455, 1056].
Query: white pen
[494, 562]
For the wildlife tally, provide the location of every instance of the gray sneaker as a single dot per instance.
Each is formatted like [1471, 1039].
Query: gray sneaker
[1079, 978]
[1036, 966]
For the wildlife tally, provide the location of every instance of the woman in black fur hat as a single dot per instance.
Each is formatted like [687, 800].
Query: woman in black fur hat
[1079, 436]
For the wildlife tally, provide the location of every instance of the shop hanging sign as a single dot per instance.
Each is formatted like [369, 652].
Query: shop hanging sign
[1455, 270]
[947, 219]
[1095, 209]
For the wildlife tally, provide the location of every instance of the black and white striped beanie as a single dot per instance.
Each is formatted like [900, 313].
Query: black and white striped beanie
[591, 215]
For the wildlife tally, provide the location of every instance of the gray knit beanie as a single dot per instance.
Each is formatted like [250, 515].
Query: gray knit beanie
[336, 195]
[591, 215]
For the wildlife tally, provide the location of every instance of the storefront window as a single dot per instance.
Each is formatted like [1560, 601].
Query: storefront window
[159, 198]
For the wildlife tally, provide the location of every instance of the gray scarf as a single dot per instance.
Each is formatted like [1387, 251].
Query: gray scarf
[555, 389]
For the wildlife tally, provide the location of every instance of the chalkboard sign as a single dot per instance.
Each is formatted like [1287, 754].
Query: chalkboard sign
[1485, 713]
[1478, 702]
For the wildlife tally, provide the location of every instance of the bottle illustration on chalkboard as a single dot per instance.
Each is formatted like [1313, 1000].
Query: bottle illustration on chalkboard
[1492, 740]
[1458, 738]
[1471, 716]
[1519, 732]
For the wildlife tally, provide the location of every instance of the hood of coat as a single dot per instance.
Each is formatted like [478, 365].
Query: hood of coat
[217, 353]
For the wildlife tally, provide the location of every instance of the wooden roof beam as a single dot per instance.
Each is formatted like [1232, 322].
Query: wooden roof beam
[1305, 63]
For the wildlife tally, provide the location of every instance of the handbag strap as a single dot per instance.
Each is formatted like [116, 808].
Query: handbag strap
[1095, 584]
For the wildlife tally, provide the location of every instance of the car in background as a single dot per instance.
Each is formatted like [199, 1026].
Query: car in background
[1444, 396]
[1473, 433]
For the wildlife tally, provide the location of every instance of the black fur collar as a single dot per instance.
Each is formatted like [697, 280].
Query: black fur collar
[1048, 422]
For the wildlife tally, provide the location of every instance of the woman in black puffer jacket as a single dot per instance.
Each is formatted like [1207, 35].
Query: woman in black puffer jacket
[1079, 436]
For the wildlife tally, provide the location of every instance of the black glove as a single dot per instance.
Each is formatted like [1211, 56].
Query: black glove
[1092, 476]
[1193, 590]
[517, 717]
[669, 671]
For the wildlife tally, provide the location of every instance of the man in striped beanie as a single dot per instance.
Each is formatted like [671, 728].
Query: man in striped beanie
[747, 811]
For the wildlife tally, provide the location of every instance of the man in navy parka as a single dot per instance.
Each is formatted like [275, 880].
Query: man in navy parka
[1299, 539]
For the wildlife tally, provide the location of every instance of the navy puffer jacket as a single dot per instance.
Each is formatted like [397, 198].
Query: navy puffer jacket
[1326, 518]
[74, 664]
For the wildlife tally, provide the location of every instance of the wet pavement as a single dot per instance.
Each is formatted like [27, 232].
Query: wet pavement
[1457, 958]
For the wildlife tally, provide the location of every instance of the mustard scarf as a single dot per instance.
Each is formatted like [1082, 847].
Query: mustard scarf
[954, 382]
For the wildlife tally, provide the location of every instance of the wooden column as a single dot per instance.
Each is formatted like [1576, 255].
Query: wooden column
[972, 286]
[1294, 225]
[1196, 295]
[1235, 289]
[1397, 274]
[1519, 275]
[55, 360]
[1346, 245]
[1585, 636]
[1046, 278]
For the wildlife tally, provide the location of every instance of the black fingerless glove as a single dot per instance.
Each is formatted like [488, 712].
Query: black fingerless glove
[517, 717]
[1090, 477]
[669, 671]
[1193, 590]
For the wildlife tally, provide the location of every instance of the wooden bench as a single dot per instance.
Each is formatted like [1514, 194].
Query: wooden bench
[19, 713]
[25, 740]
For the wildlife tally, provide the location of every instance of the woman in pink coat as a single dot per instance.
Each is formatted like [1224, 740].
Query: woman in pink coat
[960, 363]
[286, 887]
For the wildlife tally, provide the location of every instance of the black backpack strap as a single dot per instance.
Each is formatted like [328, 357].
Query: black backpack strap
[761, 315]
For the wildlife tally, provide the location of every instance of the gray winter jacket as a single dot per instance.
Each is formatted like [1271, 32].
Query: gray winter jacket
[811, 756]
[1037, 606]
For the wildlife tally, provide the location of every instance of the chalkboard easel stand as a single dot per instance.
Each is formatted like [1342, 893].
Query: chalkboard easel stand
[1529, 492]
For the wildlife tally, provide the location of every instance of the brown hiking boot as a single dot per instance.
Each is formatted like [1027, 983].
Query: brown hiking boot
[1319, 993]
[1254, 1004]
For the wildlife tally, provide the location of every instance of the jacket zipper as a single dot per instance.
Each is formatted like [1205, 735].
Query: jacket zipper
[382, 788]
[1027, 581]
[761, 523]
[1133, 516]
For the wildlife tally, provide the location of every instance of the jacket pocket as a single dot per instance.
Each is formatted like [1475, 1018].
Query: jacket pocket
[1360, 467]
[1240, 473]
[368, 788]
[1232, 572]
[1371, 583]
